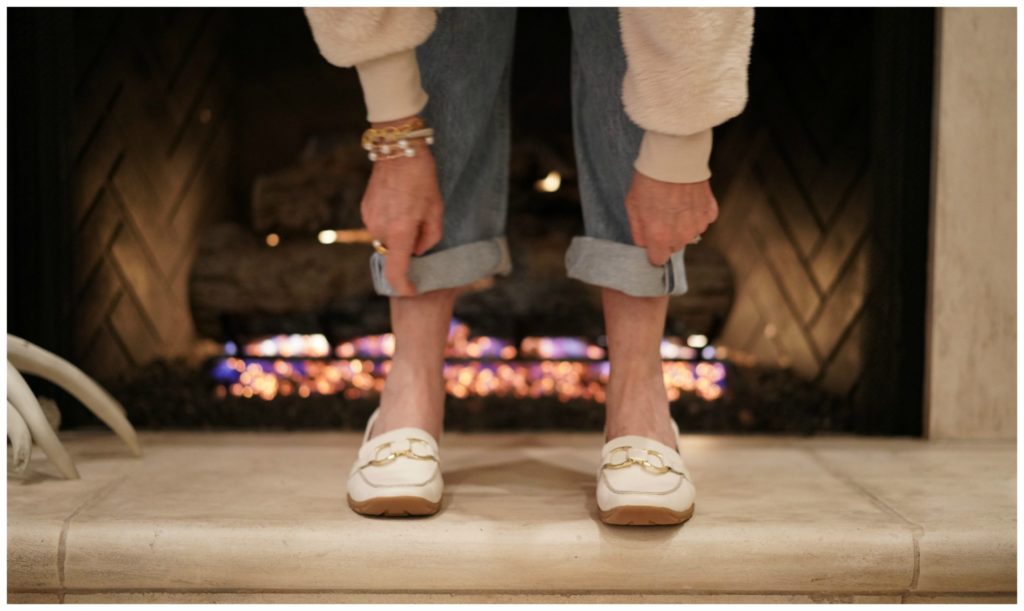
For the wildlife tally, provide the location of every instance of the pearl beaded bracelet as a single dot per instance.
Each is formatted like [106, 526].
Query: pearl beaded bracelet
[395, 142]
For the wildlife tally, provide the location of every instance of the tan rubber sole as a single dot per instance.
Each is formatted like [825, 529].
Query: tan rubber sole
[395, 506]
[639, 515]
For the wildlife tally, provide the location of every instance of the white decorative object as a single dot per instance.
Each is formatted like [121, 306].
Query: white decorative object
[26, 420]
[21, 438]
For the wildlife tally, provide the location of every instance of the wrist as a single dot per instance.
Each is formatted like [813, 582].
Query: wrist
[394, 139]
[675, 159]
[393, 123]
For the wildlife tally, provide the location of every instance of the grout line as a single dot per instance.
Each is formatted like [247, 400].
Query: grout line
[178, 69]
[846, 267]
[840, 344]
[816, 596]
[134, 227]
[506, 591]
[542, 592]
[207, 79]
[916, 530]
[62, 541]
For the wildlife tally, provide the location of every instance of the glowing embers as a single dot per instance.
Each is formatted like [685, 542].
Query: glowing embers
[560, 348]
[463, 346]
[267, 378]
[287, 346]
[560, 367]
[565, 380]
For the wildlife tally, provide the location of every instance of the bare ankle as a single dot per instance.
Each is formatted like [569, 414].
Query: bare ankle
[637, 404]
[413, 396]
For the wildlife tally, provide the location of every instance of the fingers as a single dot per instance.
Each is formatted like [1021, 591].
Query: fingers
[654, 238]
[429, 235]
[658, 255]
[658, 239]
[661, 242]
[711, 214]
[636, 226]
[400, 242]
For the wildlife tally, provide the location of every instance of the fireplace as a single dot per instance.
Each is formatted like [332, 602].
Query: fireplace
[216, 269]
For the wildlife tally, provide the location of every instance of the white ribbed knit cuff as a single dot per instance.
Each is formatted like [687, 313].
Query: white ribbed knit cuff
[675, 158]
[391, 87]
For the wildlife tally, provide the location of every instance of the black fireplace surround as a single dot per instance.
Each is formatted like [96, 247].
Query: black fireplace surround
[170, 171]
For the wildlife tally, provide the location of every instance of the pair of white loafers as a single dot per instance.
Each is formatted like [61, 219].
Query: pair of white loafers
[640, 481]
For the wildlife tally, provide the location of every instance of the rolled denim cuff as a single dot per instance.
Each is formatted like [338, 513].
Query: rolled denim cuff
[448, 268]
[624, 267]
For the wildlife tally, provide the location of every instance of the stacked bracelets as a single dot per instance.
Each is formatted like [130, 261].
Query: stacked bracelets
[398, 141]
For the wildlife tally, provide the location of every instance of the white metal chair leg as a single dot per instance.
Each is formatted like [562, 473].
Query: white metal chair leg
[19, 394]
[31, 359]
[21, 438]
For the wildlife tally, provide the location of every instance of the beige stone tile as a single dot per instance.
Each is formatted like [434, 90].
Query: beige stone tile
[33, 598]
[39, 501]
[963, 498]
[267, 512]
[960, 599]
[464, 598]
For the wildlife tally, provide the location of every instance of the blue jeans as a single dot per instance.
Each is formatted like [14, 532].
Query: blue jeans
[466, 67]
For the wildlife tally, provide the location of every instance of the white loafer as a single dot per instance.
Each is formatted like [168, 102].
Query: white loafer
[397, 473]
[644, 482]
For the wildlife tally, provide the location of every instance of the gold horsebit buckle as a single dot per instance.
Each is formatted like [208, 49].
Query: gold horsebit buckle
[642, 457]
[393, 455]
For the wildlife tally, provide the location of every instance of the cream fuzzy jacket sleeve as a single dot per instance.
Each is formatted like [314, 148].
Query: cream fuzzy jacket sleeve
[686, 72]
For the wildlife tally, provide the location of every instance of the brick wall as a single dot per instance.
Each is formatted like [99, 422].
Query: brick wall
[795, 197]
[151, 137]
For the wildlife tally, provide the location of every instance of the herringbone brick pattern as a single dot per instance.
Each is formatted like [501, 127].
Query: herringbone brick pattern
[151, 149]
[150, 146]
[795, 211]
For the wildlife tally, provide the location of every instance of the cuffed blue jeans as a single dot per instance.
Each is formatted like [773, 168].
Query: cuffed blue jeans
[466, 67]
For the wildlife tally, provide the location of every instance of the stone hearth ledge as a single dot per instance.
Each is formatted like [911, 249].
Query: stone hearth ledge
[262, 516]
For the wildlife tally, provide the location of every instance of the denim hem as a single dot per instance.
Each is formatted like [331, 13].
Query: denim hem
[624, 267]
[450, 267]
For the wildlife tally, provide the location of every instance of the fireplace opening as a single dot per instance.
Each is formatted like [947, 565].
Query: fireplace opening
[217, 270]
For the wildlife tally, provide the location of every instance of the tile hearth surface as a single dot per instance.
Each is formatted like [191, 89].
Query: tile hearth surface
[261, 517]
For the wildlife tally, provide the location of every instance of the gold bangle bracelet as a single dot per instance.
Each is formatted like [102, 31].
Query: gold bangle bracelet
[387, 135]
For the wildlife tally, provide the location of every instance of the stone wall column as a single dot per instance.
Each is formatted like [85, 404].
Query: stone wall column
[970, 386]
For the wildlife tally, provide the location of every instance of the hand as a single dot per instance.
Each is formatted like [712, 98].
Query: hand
[402, 207]
[666, 216]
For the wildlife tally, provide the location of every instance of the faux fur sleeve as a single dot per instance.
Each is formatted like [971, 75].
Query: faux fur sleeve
[687, 72]
[380, 43]
[349, 36]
